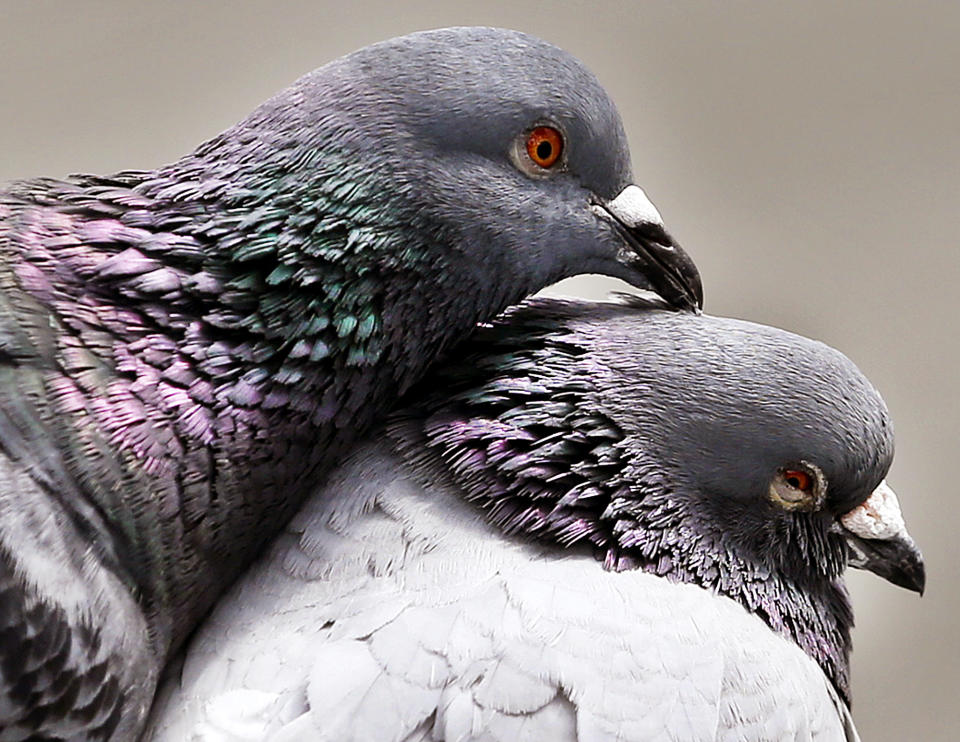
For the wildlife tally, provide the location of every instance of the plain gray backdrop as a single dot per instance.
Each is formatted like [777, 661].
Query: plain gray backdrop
[806, 154]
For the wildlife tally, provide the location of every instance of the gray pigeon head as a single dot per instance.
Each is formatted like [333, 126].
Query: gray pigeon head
[739, 457]
[770, 436]
[771, 444]
[444, 130]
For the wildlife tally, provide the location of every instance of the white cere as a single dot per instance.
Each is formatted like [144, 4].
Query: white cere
[633, 208]
[878, 517]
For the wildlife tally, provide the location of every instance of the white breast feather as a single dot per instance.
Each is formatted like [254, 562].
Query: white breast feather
[389, 612]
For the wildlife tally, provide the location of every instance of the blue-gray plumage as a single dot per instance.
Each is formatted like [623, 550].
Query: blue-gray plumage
[597, 522]
[185, 351]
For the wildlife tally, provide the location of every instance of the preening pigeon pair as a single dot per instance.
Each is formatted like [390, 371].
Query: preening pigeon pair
[597, 522]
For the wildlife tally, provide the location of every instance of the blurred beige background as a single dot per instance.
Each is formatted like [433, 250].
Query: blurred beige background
[807, 154]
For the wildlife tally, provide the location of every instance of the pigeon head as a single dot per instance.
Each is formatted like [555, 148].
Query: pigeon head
[500, 150]
[770, 443]
[738, 457]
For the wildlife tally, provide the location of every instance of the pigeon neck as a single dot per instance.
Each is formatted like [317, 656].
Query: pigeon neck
[324, 256]
[658, 532]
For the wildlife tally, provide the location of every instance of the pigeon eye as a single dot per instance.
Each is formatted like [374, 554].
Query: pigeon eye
[798, 486]
[544, 146]
[797, 479]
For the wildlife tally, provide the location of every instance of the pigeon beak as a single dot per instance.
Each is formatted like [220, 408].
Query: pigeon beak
[650, 252]
[878, 540]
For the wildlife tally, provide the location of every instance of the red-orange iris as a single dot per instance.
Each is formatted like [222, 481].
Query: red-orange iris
[545, 145]
[797, 479]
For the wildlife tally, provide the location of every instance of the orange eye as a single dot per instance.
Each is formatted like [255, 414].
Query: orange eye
[797, 479]
[545, 145]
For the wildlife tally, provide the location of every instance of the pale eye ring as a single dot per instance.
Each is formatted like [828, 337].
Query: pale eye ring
[798, 486]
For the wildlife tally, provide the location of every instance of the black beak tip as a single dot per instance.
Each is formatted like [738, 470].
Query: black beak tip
[668, 268]
[912, 576]
[897, 560]
[909, 571]
[679, 271]
[696, 286]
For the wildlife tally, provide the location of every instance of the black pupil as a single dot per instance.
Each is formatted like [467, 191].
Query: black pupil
[544, 150]
[794, 482]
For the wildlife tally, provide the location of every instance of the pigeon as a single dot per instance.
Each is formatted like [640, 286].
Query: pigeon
[596, 522]
[185, 352]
